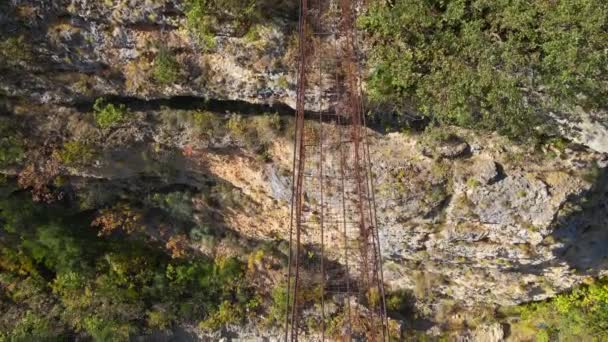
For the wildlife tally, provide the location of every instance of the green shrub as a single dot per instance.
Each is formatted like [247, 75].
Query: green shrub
[11, 146]
[205, 17]
[109, 114]
[227, 314]
[104, 288]
[579, 315]
[76, 153]
[255, 36]
[278, 308]
[207, 123]
[436, 135]
[499, 65]
[166, 68]
[237, 126]
[11, 150]
[160, 319]
[282, 82]
[175, 204]
[400, 303]
[201, 22]
[15, 49]
[31, 327]
[264, 128]
[105, 330]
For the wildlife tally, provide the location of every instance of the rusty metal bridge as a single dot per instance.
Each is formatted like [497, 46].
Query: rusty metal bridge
[335, 285]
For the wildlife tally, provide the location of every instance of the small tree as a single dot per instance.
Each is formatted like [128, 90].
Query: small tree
[108, 114]
[120, 217]
[76, 153]
[166, 68]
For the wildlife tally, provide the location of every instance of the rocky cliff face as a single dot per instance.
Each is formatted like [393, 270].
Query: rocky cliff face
[70, 51]
[79, 50]
[471, 219]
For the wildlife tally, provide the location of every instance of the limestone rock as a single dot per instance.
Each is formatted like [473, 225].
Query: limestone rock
[489, 333]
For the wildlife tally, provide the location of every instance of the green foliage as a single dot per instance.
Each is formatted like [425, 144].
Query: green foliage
[15, 49]
[237, 126]
[160, 319]
[107, 331]
[400, 303]
[436, 135]
[278, 308]
[108, 288]
[227, 314]
[207, 123]
[166, 68]
[200, 23]
[174, 204]
[205, 17]
[282, 82]
[257, 132]
[579, 315]
[31, 327]
[11, 146]
[489, 64]
[593, 174]
[76, 153]
[109, 114]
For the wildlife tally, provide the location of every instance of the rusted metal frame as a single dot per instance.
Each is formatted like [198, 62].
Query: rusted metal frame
[301, 153]
[296, 147]
[343, 190]
[376, 237]
[345, 234]
[379, 273]
[322, 185]
[299, 207]
[354, 102]
[377, 262]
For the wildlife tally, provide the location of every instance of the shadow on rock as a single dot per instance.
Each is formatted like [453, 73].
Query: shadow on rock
[583, 234]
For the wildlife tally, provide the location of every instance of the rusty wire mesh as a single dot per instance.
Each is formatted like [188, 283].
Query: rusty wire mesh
[335, 285]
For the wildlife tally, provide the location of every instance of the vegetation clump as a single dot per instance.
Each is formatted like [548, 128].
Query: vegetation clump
[498, 65]
[104, 287]
[166, 68]
[207, 123]
[76, 153]
[15, 49]
[578, 315]
[108, 115]
[205, 17]
[11, 146]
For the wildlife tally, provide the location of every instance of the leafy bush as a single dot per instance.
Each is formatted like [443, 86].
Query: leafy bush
[15, 49]
[76, 153]
[205, 17]
[121, 217]
[227, 314]
[160, 319]
[491, 64]
[11, 150]
[207, 123]
[237, 126]
[31, 327]
[400, 303]
[278, 308]
[579, 315]
[174, 204]
[108, 114]
[282, 82]
[105, 287]
[166, 68]
[11, 146]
